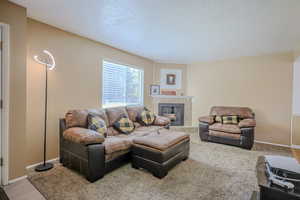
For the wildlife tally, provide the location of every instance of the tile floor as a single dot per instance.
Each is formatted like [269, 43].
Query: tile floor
[22, 190]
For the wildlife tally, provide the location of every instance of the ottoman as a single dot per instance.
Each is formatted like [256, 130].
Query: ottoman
[159, 152]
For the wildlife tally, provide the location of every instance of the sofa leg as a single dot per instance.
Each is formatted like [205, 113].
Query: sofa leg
[185, 158]
[247, 147]
[134, 166]
[94, 178]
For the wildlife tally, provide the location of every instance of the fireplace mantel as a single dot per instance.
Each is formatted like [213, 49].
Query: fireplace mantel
[172, 97]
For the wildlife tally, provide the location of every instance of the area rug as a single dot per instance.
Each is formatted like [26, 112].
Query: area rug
[213, 171]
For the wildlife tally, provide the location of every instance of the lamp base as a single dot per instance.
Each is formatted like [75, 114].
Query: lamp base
[43, 167]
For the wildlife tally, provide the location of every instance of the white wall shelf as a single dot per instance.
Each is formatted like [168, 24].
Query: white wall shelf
[172, 97]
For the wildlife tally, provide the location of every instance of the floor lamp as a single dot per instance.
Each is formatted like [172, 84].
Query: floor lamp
[49, 64]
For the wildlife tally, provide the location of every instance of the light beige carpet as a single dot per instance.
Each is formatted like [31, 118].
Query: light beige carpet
[213, 171]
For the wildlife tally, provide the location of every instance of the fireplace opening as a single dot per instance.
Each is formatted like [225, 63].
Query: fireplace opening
[174, 111]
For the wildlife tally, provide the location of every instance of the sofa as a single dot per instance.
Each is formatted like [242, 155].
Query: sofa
[240, 133]
[94, 155]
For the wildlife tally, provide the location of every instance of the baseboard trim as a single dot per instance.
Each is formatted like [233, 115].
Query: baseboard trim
[274, 144]
[294, 146]
[36, 164]
[17, 179]
[29, 167]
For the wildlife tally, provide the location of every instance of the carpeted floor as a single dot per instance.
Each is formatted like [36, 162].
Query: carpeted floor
[213, 171]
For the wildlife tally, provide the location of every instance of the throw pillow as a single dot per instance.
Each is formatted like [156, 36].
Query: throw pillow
[230, 119]
[146, 117]
[96, 123]
[124, 125]
[218, 119]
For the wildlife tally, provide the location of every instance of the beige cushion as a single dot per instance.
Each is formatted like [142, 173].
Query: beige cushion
[161, 141]
[247, 123]
[114, 155]
[230, 128]
[83, 136]
[144, 130]
[122, 142]
[242, 112]
[161, 121]
[114, 143]
[76, 118]
[111, 131]
[223, 134]
[134, 111]
[207, 119]
[115, 113]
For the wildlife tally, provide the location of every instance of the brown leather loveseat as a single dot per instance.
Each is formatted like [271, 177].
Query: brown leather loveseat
[92, 154]
[212, 128]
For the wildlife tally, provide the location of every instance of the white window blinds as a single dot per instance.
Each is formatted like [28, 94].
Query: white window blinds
[122, 85]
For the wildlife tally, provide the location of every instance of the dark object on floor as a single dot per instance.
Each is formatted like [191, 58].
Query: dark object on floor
[44, 167]
[212, 128]
[269, 191]
[3, 195]
[159, 153]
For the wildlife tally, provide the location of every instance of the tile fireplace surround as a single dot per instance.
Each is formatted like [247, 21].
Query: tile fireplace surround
[186, 100]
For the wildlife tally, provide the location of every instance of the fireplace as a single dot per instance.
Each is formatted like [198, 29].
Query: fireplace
[174, 111]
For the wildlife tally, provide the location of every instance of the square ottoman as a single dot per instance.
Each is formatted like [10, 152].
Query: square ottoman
[159, 152]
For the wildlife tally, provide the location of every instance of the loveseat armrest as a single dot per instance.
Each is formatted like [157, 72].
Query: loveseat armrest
[203, 131]
[247, 137]
[83, 136]
[246, 123]
[161, 121]
[207, 119]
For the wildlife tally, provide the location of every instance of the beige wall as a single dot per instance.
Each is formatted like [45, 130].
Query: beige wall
[296, 130]
[296, 100]
[15, 16]
[183, 67]
[263, 83]
[75, 83]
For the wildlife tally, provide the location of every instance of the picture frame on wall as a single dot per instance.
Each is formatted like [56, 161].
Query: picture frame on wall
[170, 79]
[154, 90]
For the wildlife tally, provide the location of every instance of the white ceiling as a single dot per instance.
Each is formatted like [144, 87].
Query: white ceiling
[178, 31]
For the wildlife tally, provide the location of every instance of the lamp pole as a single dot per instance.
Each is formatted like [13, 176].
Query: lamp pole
[45, 166]
[46, 116]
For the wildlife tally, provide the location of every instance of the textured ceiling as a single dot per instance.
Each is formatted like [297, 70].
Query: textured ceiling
[178, 31]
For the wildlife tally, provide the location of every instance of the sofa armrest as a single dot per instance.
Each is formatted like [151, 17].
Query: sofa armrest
[207, 119]
[161, 121]
[83, 136]
[246, 123]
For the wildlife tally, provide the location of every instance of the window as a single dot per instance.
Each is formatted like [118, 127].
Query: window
[122, 85]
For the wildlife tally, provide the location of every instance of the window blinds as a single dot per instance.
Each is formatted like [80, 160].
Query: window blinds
[122, 85]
